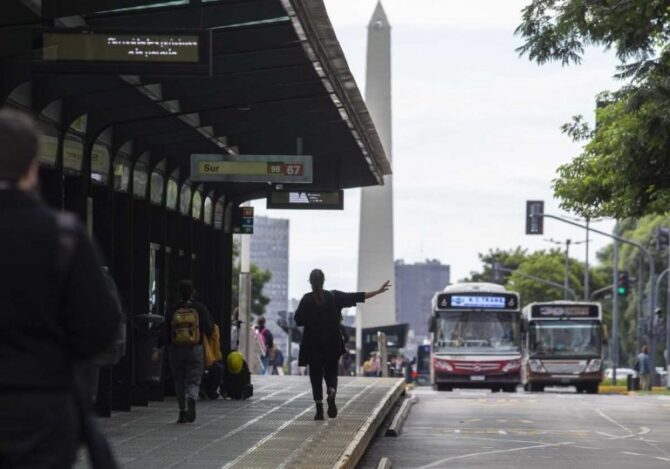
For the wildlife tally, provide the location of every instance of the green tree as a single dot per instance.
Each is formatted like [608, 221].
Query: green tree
[509, 258]
[624, 170]
[632, 260]
[259, 277]
[548, 265]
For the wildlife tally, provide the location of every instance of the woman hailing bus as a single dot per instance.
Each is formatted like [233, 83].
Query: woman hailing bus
[320, 312]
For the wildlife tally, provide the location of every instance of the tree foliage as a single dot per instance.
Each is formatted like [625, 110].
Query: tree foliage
[624, 170]
[632, 260]
[547, 265]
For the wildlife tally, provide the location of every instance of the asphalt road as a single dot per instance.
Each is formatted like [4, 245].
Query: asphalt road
[555, 429]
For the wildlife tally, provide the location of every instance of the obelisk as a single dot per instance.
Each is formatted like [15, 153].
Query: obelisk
[375, 243]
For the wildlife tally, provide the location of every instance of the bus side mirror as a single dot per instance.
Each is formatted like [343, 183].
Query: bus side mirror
[524, 327]
[606, 335]
[431, 325]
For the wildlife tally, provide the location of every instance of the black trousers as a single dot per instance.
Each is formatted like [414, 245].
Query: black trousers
[38, 430]
[320, 369]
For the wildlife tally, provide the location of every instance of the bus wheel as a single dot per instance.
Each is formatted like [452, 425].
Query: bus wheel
[526, 387]
[536, 387]
[592, 388]
[509, 388]
[443, 387]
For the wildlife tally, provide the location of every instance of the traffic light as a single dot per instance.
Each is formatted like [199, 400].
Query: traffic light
[622, 284]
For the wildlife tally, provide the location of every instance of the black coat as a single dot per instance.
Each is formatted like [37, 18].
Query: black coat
[322, 338]
[52, 315]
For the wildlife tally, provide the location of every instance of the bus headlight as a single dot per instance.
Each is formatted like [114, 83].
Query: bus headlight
[512, 365]
[594, 366]
[536, 366]
[442, 365]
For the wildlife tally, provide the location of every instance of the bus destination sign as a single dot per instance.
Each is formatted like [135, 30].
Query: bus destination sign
[477, 301]
[306, 200]
[564, 311]
[252, 168]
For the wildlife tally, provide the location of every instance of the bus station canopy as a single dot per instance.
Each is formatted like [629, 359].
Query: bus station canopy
[279, 85]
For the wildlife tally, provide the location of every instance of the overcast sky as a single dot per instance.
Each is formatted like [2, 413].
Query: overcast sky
[476, 134]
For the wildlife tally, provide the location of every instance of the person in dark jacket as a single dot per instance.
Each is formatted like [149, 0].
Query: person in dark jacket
[187, 362]
[55, 308]
[320, 312]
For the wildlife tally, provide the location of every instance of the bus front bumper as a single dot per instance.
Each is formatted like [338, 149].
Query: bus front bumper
[475, 381]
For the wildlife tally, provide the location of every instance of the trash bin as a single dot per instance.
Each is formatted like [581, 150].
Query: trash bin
[633, 383]
[147, 328]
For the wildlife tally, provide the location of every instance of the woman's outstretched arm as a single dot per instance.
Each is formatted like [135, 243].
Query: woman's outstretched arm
[382, 289]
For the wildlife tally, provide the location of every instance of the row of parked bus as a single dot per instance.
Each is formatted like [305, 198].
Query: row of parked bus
[482, 338]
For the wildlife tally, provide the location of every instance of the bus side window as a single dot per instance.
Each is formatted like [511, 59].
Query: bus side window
[432, 326]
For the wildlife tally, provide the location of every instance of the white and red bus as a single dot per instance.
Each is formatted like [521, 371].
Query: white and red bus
[476, 338]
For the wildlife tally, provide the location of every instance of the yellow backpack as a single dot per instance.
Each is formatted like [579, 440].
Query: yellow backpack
[185, 326]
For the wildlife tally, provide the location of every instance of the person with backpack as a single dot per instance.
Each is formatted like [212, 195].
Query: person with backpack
[57, 313]
[185, 328]
[267, 345]
[320, 313]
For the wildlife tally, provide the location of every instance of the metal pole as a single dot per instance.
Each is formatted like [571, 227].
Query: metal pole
[566, 284]
[640, 311]
[290, 340]
[614, 349]
[587, 279]
[538, 279]
[245, 297]
[667, 326]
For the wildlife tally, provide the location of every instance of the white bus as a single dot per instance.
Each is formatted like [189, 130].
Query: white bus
[476, 338]
[563, 345]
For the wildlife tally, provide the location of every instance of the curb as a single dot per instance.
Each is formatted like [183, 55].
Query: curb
[384, 463]
[354, 452]
[399, 419]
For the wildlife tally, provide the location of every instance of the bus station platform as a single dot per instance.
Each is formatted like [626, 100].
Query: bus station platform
[273, 429]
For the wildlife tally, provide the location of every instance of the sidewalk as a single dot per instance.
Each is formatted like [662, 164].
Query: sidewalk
[273, 429]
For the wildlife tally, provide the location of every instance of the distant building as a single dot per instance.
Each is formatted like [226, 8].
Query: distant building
[415, 285]
[269, 251]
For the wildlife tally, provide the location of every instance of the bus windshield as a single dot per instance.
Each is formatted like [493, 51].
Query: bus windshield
[477, 332]
[565, 338]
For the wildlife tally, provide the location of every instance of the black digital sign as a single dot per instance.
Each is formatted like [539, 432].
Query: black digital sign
[306, 200]
[62, 50]
[477, 301]
[553, 311]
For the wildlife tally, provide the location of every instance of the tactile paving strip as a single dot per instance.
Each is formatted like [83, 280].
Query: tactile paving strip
[274, 429]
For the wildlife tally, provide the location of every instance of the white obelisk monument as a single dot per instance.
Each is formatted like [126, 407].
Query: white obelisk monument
[375, 243]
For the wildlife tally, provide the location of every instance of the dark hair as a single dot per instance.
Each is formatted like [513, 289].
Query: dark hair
[261, 321]
[19, 141]
[645, 349]
[186, 290]
[316, 279]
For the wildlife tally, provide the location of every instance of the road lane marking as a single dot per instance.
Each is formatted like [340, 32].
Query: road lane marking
[662, 459]
[630, 453]
[611, 420]
[441, 462]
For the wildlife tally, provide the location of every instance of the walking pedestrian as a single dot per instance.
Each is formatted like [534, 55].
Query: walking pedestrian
[643, 368]
[185, 327]
[56, 312]
[266, 340]
[320, 312]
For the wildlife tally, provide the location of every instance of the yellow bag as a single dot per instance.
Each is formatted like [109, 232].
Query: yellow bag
[212, 346]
